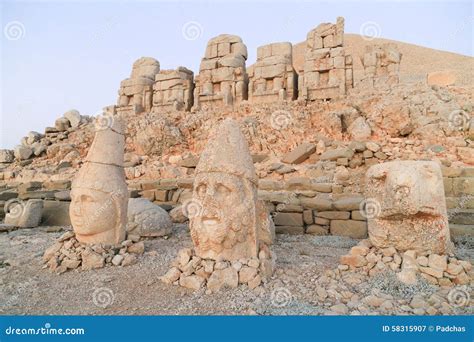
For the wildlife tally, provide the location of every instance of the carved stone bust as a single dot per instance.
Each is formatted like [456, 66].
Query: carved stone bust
[99, 193]
[231, 222]
[409, 206]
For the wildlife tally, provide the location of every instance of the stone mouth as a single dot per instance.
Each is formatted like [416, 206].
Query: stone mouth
[208, 221]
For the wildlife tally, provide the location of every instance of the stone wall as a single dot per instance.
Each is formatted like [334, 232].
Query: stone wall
[135, 93]
[299, 205]
[173, 89]
[327, 70]
[273, 78]
[222, 75]
[381, 66]
[459, 191]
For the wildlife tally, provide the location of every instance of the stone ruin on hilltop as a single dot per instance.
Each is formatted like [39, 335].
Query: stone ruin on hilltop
[224, 80]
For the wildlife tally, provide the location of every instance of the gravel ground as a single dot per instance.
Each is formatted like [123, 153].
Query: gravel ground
[304, 283]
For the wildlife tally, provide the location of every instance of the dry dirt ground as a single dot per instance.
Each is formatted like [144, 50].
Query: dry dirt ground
[303, 283]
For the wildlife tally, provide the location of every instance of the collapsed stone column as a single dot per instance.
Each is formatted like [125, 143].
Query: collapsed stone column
[99, 192]
[273, 77]
[222, 75]
[327, 70]
[381, 66]
[230, 228]
[407, 207]
[136, 92]
[173, 89]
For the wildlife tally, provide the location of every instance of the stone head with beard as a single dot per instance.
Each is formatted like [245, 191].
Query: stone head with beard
[229, 222]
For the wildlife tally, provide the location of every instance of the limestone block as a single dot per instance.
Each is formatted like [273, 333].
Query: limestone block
[24, 214]
[299, 154]
[62, 124]
[351, 228]
[74, 117]
[146, 67]
[147, 219]
[23, 152]
[288, 219]
[7, 156]
[55, 213]
[407, 207]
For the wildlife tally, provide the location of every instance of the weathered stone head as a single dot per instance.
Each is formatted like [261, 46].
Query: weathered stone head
[99, 193]
[407, 206]
[231, 222]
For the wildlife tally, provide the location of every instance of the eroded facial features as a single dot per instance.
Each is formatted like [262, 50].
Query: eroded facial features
[408, 192]
[225, 205]
[92, 211]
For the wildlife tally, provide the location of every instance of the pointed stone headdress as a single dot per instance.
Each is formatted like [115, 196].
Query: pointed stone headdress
[104, 161]
[227, 151]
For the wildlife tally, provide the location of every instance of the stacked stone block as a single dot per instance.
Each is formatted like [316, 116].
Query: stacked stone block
[222, 75]
[136, 92]
[381, 66]
[273, 78]
[173, 89]
[327, 70]
[459, 191]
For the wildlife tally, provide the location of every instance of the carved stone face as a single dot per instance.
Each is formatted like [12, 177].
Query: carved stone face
[407, 189]
[407, 198]
[225, 224]
[93, 212]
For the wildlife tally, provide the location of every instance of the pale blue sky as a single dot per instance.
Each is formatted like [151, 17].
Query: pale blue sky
[73, 54]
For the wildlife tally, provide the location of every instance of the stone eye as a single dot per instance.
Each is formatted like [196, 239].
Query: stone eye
[201, 189]
[222, 191]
